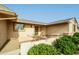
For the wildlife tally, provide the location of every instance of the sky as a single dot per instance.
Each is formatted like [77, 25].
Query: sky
[45, 12]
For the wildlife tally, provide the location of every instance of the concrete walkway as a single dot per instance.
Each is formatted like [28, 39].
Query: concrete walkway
[10, 46]
[14, 52]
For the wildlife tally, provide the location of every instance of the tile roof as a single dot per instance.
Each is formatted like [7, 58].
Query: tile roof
[62, 21]
[41, 23]
[4, 8]
[30, 22]
[6, 11]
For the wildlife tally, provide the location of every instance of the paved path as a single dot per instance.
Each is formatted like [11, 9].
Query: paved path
[14, 52]
[10, 46]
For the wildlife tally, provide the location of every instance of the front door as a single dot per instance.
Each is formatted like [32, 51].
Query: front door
[36, 30]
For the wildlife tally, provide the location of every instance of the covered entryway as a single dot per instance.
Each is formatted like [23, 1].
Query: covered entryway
[5, 16]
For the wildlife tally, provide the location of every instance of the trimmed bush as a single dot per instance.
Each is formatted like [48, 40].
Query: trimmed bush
[66, 45]
[42, 49]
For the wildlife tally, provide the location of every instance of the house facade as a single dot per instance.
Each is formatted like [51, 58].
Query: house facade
[12, 28]
[35, 30]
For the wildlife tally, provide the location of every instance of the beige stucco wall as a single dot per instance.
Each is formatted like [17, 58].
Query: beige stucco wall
[71, 26]
[21, 35]
[77, 29]
[11, 33]
[42, 30]
[29, 30]
[3, 32]
[57, 29]
[27, 33]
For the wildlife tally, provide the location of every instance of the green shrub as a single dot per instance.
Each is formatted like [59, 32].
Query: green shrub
[42, 49]
[66, 45]
[75, 38]
[76, 34]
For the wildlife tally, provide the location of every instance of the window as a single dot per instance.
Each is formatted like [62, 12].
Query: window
[18, 26]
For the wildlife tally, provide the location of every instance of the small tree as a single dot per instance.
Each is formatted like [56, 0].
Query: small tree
[42, 49]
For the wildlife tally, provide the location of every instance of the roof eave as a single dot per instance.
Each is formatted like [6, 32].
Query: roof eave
[8, 13]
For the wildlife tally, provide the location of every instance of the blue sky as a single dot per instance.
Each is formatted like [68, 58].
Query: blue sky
[45, 12]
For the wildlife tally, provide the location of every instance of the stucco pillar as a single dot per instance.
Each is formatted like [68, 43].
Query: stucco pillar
[70, 28]
[39, 31]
